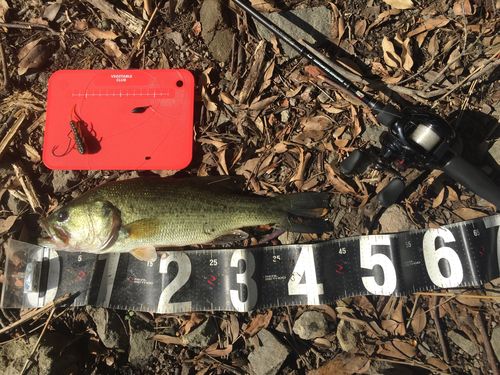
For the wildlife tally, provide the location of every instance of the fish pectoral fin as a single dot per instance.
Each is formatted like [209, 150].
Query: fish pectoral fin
[147, 254]
[234, 235]
[145, 228]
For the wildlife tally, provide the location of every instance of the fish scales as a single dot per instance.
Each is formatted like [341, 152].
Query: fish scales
[141, 214]
[188, 215]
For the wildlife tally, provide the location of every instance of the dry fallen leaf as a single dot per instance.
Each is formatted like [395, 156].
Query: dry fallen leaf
[4, 7]
[436, 362]
[94, 34]
[169, 340]
[196, 28]
[6, 224]
[360, 28]
[344, 364]
[112, 49]
[213, 350]
[430, 24]
[419, 321]
[32, 55]
[51, 11]
[468, 213]
[257, 323]
[319, 122]
[466, 10]
[400, 4]
[456, 67]
[406, 58]
[81, 25]
[391, 58]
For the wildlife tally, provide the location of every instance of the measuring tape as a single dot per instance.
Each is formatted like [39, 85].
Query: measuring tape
[457, 255]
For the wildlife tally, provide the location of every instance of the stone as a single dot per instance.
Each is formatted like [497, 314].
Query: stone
[463, 343]
[346, 337]
[310, 325]
[202, 336]
[314, 25]
[176, 37]
[210, 14]
[221, 45]
[395, 220]
[62, 178]
[110, 328]
[141, 347]
[267, 359]
[495, 341]
[13, 354]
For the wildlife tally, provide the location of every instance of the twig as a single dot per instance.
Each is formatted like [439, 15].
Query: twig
[439, 330]
[4, 69]
[408, 363]
[11, 133]
[29, 26]
[415, 305]
[453, 295]
[478, 320]
[28, 188]
[473, 76]
[30, 358]
[34, 314]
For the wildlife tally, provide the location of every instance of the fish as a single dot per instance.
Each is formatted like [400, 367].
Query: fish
[138, 215]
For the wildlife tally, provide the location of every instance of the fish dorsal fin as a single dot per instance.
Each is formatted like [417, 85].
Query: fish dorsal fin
[145, 228]
[147, 254]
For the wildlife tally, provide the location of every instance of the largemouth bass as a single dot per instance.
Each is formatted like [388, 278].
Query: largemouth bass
[141, 214]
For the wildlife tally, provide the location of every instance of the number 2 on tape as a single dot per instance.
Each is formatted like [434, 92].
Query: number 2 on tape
[182, 277]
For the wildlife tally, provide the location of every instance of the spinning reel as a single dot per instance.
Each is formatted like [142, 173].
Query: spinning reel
[414, 137]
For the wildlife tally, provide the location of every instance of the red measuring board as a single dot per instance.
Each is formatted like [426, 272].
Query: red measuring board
[101, 103]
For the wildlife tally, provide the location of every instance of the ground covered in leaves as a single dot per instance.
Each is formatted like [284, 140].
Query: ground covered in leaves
[279, 122]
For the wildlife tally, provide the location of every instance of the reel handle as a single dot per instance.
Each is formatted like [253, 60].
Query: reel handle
[356, 162]
[470, 177]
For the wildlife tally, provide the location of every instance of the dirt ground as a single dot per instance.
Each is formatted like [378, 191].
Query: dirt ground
[276, 121]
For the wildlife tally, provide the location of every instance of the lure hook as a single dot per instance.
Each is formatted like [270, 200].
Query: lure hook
[65, 152]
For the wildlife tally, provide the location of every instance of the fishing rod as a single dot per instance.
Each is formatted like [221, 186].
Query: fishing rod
[414, 138]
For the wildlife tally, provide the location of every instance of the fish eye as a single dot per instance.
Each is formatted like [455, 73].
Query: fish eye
[62, 215]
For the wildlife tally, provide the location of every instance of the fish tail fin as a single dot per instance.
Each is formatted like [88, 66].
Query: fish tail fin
[304, 212]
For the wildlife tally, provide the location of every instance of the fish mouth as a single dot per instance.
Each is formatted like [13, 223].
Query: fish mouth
[56, 236]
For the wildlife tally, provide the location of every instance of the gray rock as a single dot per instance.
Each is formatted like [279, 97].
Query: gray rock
[62, 178]
[495, 341]
[15, 204]
[310, 325]
[110, 328]
[210, 14]
[395, 219]
[13, 354]
[372, 135]
[141, 346]
[176, 37]
[312, 25]
[267, 359]
[465, 344]
[204, 335]
[285, 116]
[494, 151]
[346, 335]
[52, 355]
[221, 45]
